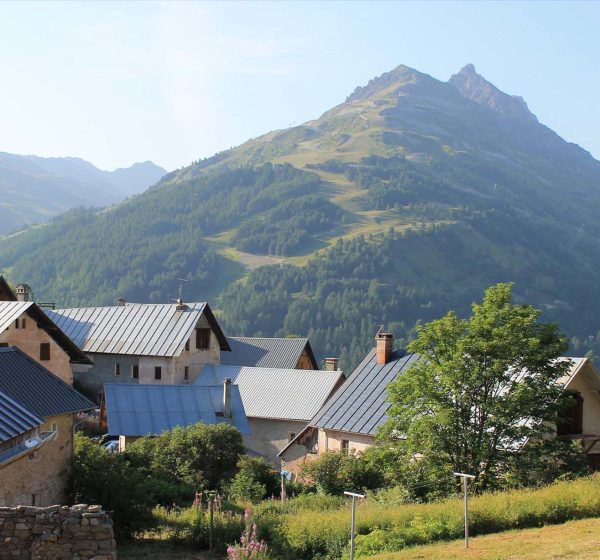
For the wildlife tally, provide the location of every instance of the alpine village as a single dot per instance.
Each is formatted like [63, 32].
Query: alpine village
[372, 335]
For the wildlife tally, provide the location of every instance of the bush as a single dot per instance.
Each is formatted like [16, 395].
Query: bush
[245, 488]
[101, 478]
[254, 481]
[335, 472]
[203, 456]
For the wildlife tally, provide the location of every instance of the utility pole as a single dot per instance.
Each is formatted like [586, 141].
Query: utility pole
[354, 496]
[465, 478]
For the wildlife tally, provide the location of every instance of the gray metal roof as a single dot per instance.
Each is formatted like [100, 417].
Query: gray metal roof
[15, 418]
[139, 410]
[135, 329]
[10, 311]
[360, 405]
[283, 394]
[39, 390]
[266, 352]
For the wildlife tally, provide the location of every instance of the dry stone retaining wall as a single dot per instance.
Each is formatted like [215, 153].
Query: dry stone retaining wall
[56, 533]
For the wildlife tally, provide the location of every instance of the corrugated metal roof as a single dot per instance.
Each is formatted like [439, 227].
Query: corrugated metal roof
[10, 311]
[266, 352]
[136, 329]
[15, 418]
[360, 405]
[290, 394]
[31, 384]
[139, 410]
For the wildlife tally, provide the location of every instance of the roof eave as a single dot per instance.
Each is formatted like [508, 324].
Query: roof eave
[214, 325]
[76, 355]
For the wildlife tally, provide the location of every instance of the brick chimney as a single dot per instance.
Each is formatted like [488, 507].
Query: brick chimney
[331, 364]
[24, 292]
[385, 347]
[227, 398]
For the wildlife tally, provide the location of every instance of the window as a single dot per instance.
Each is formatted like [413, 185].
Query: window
[202, 339]
[571, 422]
[187, 346]
[186, 373]
[291, 436]
[23, 324]
[17, 324]
[117, 369]
[345, 446]
[3, 344]
[44, 351]
[157, 373]
[135, 372]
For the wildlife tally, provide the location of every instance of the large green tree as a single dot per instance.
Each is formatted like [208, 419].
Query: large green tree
[485, 385]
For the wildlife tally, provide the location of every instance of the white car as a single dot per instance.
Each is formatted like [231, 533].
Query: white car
[111, 446]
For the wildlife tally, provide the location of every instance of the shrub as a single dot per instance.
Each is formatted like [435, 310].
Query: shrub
[195, 457]
[254, 481]
[334, 472]
[97, 477]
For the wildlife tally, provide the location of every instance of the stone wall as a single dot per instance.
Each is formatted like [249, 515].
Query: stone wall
[56, 533]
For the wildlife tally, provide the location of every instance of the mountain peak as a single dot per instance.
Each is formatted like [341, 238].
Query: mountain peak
[475, 87]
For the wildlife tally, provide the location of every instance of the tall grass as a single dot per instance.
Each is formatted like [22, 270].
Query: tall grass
[308, 534]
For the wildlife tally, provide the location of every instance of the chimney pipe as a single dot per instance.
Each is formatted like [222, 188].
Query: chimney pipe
[227, 398]
[331, 364]
[121, 302]
[385, 347]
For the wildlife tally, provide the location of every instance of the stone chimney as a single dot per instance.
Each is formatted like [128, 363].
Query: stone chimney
[121, 302]
[227, 398]
[24, 292]
[331, 364]
[385, 347]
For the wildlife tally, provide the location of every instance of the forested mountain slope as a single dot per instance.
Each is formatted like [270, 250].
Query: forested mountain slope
[34, 189]
[406, 200]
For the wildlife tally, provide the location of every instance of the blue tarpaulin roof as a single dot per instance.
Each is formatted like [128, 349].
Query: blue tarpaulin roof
[140, 410]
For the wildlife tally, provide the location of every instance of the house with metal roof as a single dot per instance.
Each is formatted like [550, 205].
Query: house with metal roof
[134, 411]
[278, 402]
[284, 353]
[138, 343]
[350, 419]
[24, 324]
[37, 415]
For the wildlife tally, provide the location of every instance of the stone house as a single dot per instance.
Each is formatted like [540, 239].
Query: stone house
[350, 419]
[25, 325]
[284, 353]
[278, 402]
[142, 343]
[133, 411]
[37, 411]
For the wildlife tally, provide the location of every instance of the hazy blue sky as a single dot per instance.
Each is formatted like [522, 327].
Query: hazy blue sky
[118, 82]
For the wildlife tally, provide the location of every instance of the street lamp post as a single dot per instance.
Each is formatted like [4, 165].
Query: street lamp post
[354, 496]
[465, 478]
